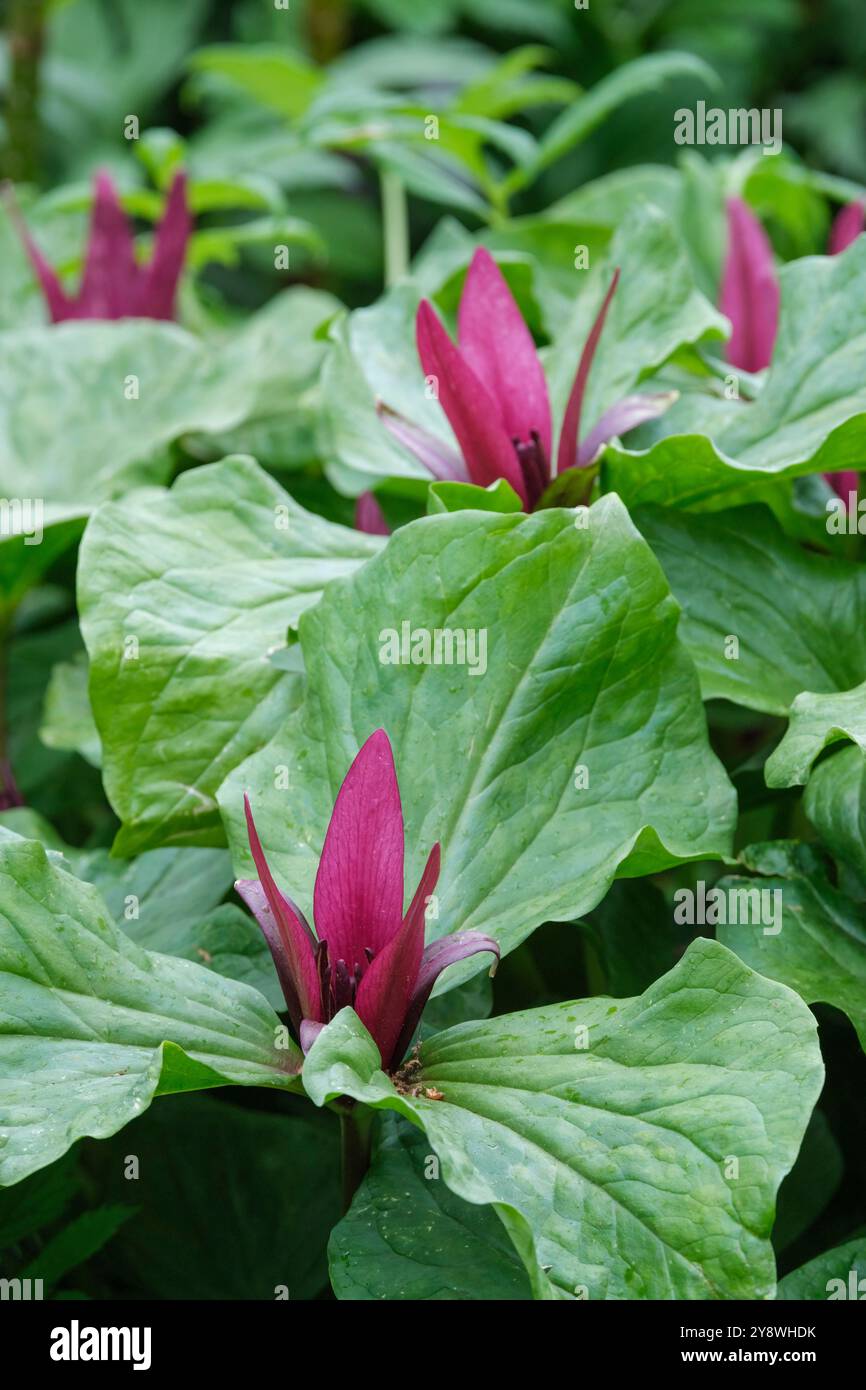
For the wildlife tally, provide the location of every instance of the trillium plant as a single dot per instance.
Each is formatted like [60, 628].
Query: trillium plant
[113, 284]
[367, 955]
[432, 671]
[492, 388]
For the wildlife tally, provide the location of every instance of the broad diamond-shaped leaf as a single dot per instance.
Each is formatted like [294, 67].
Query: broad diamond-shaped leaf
[569, 748]
[179, 632]
[92, 1027]
[642, 1140]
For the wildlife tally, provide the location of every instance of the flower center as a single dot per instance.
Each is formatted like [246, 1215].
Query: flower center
[338, 982]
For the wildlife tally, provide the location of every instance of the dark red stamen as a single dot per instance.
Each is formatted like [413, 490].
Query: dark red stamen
[533, 465]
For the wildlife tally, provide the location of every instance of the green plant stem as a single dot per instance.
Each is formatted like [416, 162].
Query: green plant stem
[25, 32]
[356, 1138]
[395, 227]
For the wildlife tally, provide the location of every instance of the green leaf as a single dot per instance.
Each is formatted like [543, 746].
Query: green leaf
[608, 199]
[278, 78]
[810, 1184]
[820, 950]
[810, 415]
[179, 632]
[232, 1203]
[835, 802]
[41, 772]
[31, 545]
[170, 900]
[616, 1153]
[817, 721]
[632, 935]
[38, 1201]
[829, 1276]
[797, 615]
[656, 310]
[67, 719]
[92, 1026]
[456, 497]
[110, 399]
[101, 64]
[279, 353]
[76, 432]
[407, 1236]
[70, 1247]
[583, 681]
[371, 357]
[646, 74]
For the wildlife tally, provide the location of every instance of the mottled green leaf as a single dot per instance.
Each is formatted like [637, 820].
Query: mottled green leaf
[92, 1026]
[612, 1126]
[797, 616]
[572, 748]
[179, 631]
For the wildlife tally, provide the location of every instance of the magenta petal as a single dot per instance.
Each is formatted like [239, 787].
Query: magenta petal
[358, 897]
[110, 272]
[287, 933]
[844, 483]
[441, 461]
[847, 226]
[426, 884]
[496, 342]
[59, 306]
[623, 416]
[568, 439]
[750, 290]
[437, 957]
[386, 990]
[472, 411]
[308, 1032]
[159, 281]
[369, 516]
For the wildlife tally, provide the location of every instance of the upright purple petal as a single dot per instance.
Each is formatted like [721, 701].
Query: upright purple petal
[843, 483]
[442, 462]
[624, 415]
[369, 516]
[308, 1032]
[567, 455]
[160, 278]
[385, 992]
[110, 272]
[59, 305]
[494, 339]
[750, 290]
[473, 413]
[847, 226]
[288, 935]
[437, 957]
[358, 897]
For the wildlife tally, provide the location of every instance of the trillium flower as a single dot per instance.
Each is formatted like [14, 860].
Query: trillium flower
[750, 290]
[366, 953]
[113, 285]
[750, 293]
[493, 390]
